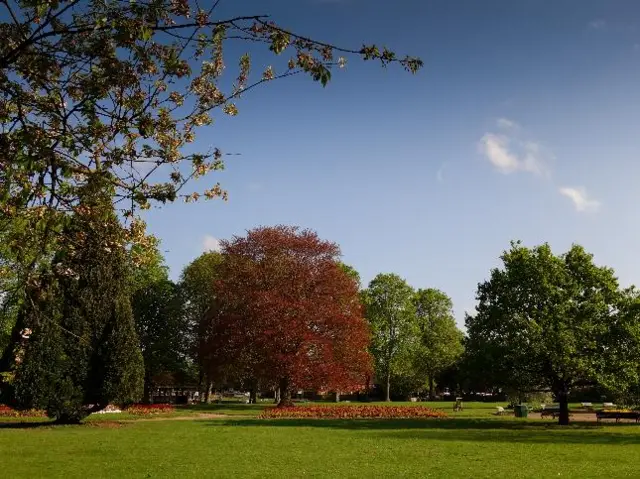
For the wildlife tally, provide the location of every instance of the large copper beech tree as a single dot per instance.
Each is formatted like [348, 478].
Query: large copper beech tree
[287, 315]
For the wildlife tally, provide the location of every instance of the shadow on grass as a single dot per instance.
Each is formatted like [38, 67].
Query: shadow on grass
[215, 407]
[25, 424]
[463, 429]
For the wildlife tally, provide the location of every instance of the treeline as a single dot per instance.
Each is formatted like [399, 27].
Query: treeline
[277, 311]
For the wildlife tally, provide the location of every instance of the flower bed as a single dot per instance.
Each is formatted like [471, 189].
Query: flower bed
[351, 412]
[149, 409]
[6, 411]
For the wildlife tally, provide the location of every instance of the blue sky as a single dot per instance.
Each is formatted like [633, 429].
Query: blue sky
[523, 124]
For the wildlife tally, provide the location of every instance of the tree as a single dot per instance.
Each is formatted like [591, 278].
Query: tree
[158, 310]
[197, 288]
[440, 338]
[391, 314]
[119, 90]
[77, 349]
[547, 322]
[147, 264]
[160, 323]
[287, 315]
[351, 272]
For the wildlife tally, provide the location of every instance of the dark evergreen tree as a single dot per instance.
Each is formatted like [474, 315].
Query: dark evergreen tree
[78, 349]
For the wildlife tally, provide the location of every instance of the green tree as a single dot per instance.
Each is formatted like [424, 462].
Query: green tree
[391, 314]
[160, 324]
[78, 350]
[198, 292]
[351, 272]
[147, 264]
[118, 91]
[547, 322]
[94, 87]
[440, 339]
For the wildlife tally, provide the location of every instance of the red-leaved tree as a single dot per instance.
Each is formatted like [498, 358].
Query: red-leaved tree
[287, 315]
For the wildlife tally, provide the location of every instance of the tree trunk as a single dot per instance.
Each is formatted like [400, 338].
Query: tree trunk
[147, 395]
[387, 391]
[337, 396]
[431, 388]
[285, 393]
[201, 387]
[207, 395]
[563, 399]
[253, 396]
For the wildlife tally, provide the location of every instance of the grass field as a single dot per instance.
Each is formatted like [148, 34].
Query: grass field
[470, 444]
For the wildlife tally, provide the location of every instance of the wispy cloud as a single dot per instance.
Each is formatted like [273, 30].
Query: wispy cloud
[210, 243]
[496, 149]
[509, 152]
[580, 199]
[506, 124]
[440, 173]
[598, 24]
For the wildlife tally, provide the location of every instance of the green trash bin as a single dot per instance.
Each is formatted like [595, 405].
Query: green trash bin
[521, 410]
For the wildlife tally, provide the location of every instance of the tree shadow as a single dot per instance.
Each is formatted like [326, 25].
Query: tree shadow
[26, 424]
[462, 429]
[215, 407]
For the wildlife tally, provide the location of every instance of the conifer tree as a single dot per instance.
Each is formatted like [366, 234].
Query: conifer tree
[78, 350]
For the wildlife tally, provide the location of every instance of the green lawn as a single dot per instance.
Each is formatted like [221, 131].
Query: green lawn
[249, 447]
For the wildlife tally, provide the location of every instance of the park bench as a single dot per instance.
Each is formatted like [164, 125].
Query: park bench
[554, 412]
[617, 415]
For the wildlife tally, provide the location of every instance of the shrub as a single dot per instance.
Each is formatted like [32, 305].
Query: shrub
[351, 412]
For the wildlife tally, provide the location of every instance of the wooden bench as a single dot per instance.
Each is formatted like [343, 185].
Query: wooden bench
[554, 413]
[635, 415]
[550, 412]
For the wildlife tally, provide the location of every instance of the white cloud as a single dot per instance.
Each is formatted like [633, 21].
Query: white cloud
[508, 154]
[210, 243]
[510, 150]
[598, 24]
[580, 199]
[496, 149]
[506, 124]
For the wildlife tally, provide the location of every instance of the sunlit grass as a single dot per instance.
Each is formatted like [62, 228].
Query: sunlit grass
[249, 447]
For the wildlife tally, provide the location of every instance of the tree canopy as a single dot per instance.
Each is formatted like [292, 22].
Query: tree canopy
[197, 288]
[440, 339]
[287, 315]
[120, 89]
[391, 314]
[554, 322]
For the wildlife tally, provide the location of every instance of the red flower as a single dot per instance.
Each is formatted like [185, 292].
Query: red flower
[147, 409]
[6, 411]
[352, 412]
